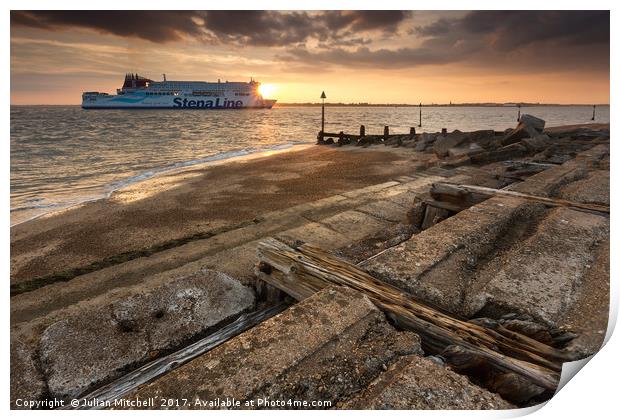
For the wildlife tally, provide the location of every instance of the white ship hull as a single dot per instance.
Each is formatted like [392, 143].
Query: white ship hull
[141, 93]
[176, 102]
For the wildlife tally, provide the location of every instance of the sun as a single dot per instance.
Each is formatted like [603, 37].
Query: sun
[266, 90]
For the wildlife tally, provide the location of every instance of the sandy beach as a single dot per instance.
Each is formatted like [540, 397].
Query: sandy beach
[194, 203]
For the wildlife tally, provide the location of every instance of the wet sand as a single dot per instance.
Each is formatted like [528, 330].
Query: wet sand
[194, 203]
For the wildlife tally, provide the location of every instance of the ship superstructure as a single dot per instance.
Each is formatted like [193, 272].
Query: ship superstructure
[141, 93]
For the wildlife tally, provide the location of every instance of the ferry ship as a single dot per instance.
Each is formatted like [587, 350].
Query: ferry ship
[141, 93]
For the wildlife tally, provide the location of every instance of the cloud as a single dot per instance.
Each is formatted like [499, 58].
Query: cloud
[155, 26]
[515, 29]
[365, 57]
[518, 40]
[363, 20]
[260, 28]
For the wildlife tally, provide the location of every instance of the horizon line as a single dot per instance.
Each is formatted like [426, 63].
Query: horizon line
[387, 104]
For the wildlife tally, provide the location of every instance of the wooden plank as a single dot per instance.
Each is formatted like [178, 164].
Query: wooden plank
[336, 135]
[454, 194]
[308, 269]
[552, 202]
[528, 163]
[124, 385]
[446, 205]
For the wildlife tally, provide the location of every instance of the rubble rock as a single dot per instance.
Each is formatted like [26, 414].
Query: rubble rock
[533, 122]
[536, 143]
[529, 126]
[97, 346]
[444, 143]
[481, 135]
[396, 140]
[455, 152]
[424, 141]
[428, 137]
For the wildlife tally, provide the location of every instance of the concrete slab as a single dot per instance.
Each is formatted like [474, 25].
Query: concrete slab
[27, 382]
[97, 346]
[314, 233]
[588, 314]
[593, 188]
[369, 190]
[416, 383]
[435, 265]
[405, 199]
[541, 274]
[237, 262]
[385, 210]
[334, 343]
[355, 225]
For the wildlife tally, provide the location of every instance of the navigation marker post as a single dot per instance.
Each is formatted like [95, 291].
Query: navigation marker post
[420, 125]
[322, 115]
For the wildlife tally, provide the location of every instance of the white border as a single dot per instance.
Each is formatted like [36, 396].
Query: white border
[591, 395]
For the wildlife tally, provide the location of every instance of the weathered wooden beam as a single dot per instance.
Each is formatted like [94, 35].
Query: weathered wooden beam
[456, 195]
[353, 136]
[307, 269]
[150, 371]
[528, 163]
[446, 205]
[358, 136]
[492, 192]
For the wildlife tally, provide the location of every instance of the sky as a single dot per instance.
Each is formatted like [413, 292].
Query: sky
[354, 56]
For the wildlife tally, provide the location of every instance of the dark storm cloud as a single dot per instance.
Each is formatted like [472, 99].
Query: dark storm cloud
[439, 27]
[513, 29]
[362, 20]
[264, 28]
[270, 28]
[524, 39]
[153, 26]
[538, 39]
[365, 57]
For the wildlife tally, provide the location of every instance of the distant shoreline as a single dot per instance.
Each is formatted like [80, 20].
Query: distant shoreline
[472, 105]
[369, 105]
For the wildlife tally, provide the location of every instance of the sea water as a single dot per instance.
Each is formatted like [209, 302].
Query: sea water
[64, 155]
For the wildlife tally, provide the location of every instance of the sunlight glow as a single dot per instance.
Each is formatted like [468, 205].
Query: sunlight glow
[266, 90]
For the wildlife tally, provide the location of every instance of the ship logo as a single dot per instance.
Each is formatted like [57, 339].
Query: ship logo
[191, 103]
